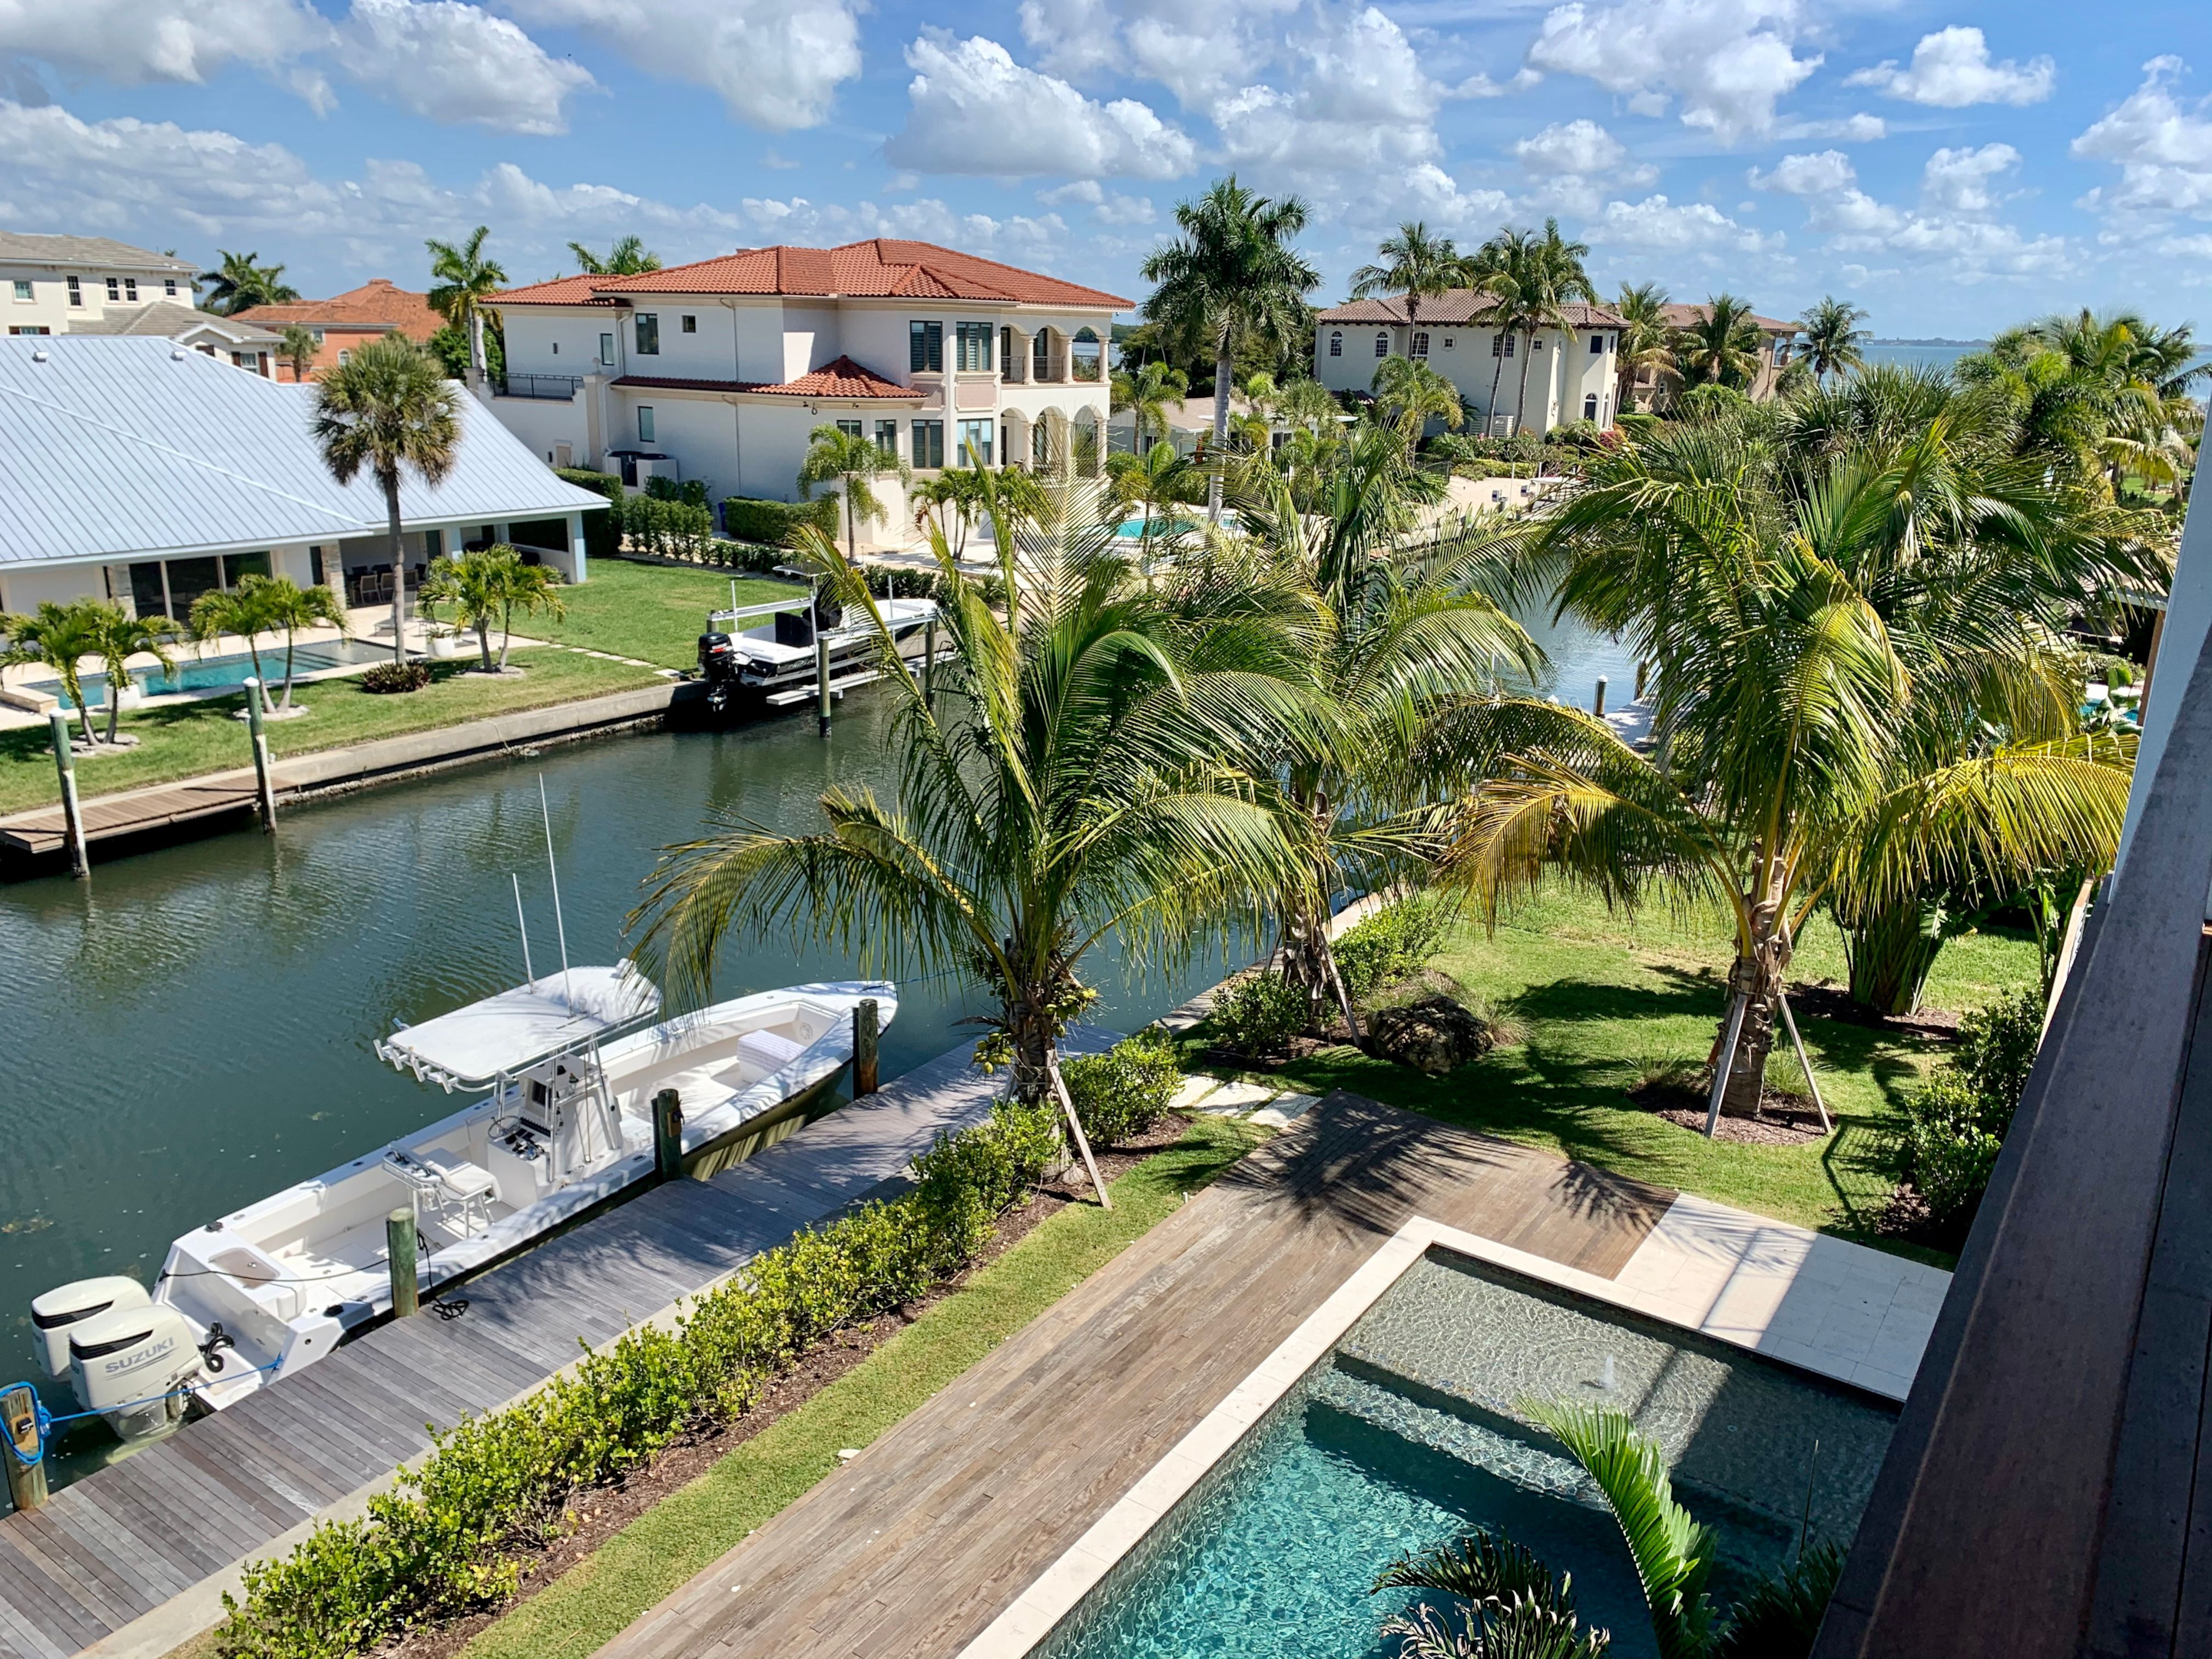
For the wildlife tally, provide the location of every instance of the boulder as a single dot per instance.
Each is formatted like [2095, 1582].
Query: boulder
[1435, 1035]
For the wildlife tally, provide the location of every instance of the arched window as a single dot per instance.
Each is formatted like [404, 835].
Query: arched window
[1336, 342]
[1382, 345]
[1420, 346]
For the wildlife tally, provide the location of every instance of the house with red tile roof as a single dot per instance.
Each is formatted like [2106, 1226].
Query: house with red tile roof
[1513, 380]
[349, 319]
[1775, 341]
[718, 370]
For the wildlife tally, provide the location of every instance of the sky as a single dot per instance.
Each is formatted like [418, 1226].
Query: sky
[1950, 168]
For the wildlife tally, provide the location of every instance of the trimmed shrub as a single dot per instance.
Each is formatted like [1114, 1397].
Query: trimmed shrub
[1395, 943]
[1258, 1014]
[915, 584]
[1955, 1122]
[770, 523]
[438, 1542]
[669, 529]
[692, 492]
[603, 534]
[388, 677]
[1122, 1093]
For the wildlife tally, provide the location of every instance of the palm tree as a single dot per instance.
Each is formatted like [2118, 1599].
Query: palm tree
[1147, 392]
[1531, 280]
[123, 636]
[487, 587]
[238, 283]
[291, 608]
[1414, 264]
[60, 637]
[1720, 346]
[1230, 277]
[1833, 337]
[628, 256]
[1515, 1607]
[949, 505]
[853, 463]
[389, 408]
[244, 612]
[1151, 483]
[1647, 342]
[298, 347]
[465, 280]
[1409, 394]
[1075, 779]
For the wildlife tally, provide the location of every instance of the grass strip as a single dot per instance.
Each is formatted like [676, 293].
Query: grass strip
[653, 1556]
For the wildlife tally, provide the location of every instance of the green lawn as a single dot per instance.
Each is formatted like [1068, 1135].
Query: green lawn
[653, 613]
[1598, 994]
[655, 1554]
[184, 739]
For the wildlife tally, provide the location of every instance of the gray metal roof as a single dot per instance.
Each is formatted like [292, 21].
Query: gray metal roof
[132, 448]
[166, 320]
[22, 247]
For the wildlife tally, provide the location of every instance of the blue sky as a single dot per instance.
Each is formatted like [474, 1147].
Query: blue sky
[1951, 168]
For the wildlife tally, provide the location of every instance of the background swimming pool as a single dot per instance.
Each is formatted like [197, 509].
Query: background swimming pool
[220, 673]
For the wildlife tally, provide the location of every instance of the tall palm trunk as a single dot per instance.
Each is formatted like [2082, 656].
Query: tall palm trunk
[1521, 403]
[1308, 958]
[477, 367]
[390, 482]
[1223, 368]
[114, 710]
[1754, 981]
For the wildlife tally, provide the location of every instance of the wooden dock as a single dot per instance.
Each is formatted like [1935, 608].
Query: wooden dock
[131, 812]
[132, 1560]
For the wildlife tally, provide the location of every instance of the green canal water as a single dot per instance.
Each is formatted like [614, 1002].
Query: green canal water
[191, 1029]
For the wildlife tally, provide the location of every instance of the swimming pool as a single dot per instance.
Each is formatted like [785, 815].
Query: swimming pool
[221, 673]
[1405, 1436]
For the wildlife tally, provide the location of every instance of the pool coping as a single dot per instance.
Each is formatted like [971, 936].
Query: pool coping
[1690, 1266]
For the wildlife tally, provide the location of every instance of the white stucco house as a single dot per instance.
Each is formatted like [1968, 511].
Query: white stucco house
[55, 284]
[718, 371]
[144, 472]
[1571, 372]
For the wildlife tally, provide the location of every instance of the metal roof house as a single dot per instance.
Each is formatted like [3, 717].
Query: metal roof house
[142, 472]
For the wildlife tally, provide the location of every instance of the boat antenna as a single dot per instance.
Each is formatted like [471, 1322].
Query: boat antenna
[545, 812]
[528, 972]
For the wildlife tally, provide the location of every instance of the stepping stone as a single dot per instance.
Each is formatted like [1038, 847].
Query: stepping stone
[1235, 1099]
[1194, 1090]
[1285, 1111]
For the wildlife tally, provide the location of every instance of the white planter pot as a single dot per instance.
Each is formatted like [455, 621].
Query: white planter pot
[444, 645]
[130, 695]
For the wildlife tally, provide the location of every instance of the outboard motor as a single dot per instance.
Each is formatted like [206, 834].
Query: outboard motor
[56, 1315]
[131, 1364]
[718, 666]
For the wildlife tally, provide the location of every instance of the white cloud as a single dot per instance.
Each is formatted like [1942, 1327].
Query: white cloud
[1479, 85]
[133, 43]
[1951, 69]
[1359, 109]
[1860, 129]
[1725, 62]
[1958, 181]
[453, 62]
[2162, 147]
[1573, 164]
[1088, 192]
[776, 64]
[972, 109]
[1126, 210]
[1198, 52]
[1822, 174]
[1656, 224]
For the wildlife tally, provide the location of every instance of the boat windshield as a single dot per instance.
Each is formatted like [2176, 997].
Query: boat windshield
[474, 1047]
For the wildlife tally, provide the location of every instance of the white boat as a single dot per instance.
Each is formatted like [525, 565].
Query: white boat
[769, 650]
[568, 1072]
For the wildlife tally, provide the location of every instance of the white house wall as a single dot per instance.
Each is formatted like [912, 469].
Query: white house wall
[1562, 370]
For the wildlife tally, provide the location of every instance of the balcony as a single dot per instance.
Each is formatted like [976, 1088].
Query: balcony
[554, 388]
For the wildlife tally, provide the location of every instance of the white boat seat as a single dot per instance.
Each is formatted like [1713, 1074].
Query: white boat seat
[769, 1051]
[460, 1178]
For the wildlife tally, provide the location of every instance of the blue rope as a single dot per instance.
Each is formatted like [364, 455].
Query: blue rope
[43, 1420]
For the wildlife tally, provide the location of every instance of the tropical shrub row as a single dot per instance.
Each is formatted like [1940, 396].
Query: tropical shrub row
[770, 524]
[1955, 1122]
[666, 529]
[439, 1541]
[914, 584]
[1122, 1093]
[1395, 943]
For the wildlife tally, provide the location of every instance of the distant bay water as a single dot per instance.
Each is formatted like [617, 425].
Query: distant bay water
[1919, 354]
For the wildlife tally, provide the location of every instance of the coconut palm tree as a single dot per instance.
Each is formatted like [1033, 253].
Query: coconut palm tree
[853, 463]
[1531, 280]
[1646, 342]
[1147, 391]
[238, 283]
[1230, 276]
[243, 611]
[291, 608]
[1719, 345]
[123, 636]
[628, 256]
[298, 347]
[60, 637]
[465, 280]
[1414, 264]
[486, 588]
[390, 409]
[1077, 778]
[1409, 394]
[1833, 337]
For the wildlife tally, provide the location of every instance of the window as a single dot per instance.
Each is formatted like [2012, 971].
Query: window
[1597, 345]
[1781, 352]
[1612, 341]
[1501, 345]
[557, 348]
[317, 333]
[131, 288]
[344, 357]
[690, 324]
[1040, 355]
[1448, 342]
[169, 287]
[928, 450]
[75, 292]
[975, 443]
[607, 349]
[1420, 345]
[1006, 352]
[1589, 407]
[974, 343]
[32, 329]
[925, 347]
[23, 289]
[887, 439]
[648, 334]
[850, 429]
[114, 288]
[1382, 345]
[1537, 342]
[645, 423]
[1336, 342]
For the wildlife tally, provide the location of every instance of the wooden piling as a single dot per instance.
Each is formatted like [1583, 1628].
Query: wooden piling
[400, 1252]
[25, 1452]
[72, 813]
[822, 677]
[1597, 704]
[264, 791]
[868, 1030]
[929, 663]
[668, 1134]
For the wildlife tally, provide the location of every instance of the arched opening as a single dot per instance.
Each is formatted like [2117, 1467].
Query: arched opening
[1016, 437]
[1086, 448]
[1016, 356]
[1085, 355]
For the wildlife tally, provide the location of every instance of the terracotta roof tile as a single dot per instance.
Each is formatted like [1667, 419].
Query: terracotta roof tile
[377, 304]
[841, 378]
[560, 291]
[1459, 306]
[880, 268]
[1683, 316]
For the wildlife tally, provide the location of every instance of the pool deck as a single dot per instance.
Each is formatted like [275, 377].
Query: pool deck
[972, 1520]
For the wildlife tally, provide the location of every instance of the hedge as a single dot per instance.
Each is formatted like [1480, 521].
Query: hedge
[602, 531]
[1395, 943]
[669, 529]
[1122, 1093]
[770, 523]
[439, 1542]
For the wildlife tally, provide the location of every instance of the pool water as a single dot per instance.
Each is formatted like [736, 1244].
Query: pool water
[221, 673]
[1405, 1438]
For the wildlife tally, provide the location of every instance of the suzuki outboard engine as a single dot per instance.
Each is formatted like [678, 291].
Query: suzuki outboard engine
[56, 1315]
[131, 1364]
[718, 666]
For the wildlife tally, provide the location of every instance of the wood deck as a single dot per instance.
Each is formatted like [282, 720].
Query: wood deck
[132, 813]
[924, 1539]
[155, 1537]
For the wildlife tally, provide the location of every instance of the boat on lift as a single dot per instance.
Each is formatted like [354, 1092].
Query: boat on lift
[768, 651]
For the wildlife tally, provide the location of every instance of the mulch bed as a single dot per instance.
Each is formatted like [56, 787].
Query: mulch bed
[1828, 1000]
[1783, 1120]
[602, 1511]
[1905, 1216]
